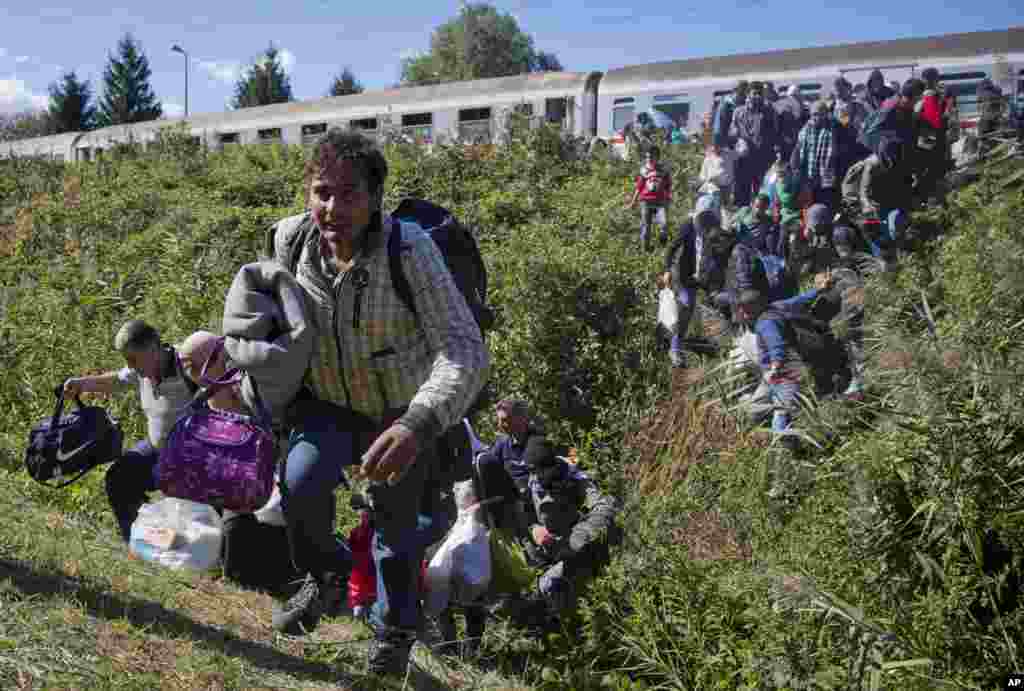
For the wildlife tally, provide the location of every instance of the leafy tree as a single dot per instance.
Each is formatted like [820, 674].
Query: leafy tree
[127, 95]
[265, 82]
[345, 84]
[71, 109]
[481, 42]
[25, 125]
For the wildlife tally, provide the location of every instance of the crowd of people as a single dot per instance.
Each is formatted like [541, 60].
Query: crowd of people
[358, 382]
[789, 191]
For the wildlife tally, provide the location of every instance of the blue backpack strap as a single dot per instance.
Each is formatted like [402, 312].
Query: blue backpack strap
[398, 280]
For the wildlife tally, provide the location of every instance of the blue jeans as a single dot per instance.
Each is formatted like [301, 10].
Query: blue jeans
[405, 516]
[129, 481]
[652, 214]
[784, 398]
[686, 297]
[318, 451]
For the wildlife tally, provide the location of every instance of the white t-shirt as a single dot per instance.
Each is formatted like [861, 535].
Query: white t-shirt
[161, 403]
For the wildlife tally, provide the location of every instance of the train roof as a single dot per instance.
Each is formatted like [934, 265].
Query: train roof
[908, 50]
[480, 92]
[39, 145]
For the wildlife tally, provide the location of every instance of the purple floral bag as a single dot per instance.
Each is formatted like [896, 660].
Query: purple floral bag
[215, 457]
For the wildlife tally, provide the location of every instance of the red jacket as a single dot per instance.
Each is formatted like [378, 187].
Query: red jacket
[654, 184]
[933, 110]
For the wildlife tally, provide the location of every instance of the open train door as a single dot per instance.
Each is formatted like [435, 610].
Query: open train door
[892, 73]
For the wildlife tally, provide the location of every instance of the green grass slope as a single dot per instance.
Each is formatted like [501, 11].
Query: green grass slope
[893, 563]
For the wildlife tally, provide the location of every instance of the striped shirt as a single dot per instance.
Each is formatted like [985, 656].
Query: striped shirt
[373, 354]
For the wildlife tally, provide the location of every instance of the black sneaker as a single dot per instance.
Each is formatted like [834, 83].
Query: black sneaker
[389, 654]
[301, 613]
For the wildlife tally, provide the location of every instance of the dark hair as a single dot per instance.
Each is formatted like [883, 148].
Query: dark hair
[654, 152]
[339, 144]
[912, 88]
[135, 336]
[930, 74]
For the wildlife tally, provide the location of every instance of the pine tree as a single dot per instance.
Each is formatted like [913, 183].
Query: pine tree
[345, 84]
[127, 95]
[71, 109]
[265, 82]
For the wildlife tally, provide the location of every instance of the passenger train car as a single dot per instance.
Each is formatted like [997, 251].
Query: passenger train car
[585, 104]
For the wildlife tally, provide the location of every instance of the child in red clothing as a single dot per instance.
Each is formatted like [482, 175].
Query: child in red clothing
[654, 192]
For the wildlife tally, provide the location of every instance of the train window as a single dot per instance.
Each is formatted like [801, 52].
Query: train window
[679, 112]
[228, 138]
[474, 114]
[622, 116]
[523, 109]
[959, 76]
[419, 126]
[312, 132]
[475, 125]
[84, 154]
[624, 101]
[417, 119]
[963, 86]
[269, 135]
[720, 94]
[555, 110]
[364, 124]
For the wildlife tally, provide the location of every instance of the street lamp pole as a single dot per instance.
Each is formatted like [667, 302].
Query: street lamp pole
[178, 49]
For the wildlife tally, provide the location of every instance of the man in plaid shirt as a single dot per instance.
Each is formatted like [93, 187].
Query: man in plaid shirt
[815, 158]
[385, 382]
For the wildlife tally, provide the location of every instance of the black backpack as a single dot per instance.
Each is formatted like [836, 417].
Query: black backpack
[456, 242]
[458, 247]
[63, 448]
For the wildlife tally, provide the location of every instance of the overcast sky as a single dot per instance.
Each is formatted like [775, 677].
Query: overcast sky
[317, 39]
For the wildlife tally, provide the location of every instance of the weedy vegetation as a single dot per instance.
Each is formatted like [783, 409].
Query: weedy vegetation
[893, 563]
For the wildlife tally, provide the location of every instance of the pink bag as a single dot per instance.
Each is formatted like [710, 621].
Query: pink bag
[214, 457]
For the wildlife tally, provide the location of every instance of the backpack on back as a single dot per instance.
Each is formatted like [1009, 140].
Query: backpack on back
[874, 129]
[63, 448]
[459, 249]
[457, 245]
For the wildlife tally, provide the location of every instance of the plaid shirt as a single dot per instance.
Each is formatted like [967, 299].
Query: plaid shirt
[815, 156]
[375, 356]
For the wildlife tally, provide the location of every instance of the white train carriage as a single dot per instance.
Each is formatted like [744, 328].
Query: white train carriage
[685, 89]
[57, 147]
[468, 111]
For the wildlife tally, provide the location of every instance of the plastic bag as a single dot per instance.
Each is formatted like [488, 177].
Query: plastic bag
[460, 570]
[668, 310]
[178, 534]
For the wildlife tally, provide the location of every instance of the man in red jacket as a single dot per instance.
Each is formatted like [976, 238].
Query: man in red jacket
[654, 192]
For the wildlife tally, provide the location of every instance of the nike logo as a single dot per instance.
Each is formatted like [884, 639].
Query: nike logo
[61, 456]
